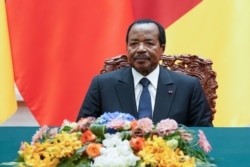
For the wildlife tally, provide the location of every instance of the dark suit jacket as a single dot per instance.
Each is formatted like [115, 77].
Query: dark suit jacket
[178, 97]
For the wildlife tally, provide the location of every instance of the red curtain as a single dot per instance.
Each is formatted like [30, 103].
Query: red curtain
[58, 46]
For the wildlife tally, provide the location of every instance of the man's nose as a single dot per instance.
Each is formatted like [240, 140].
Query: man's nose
[141, 47]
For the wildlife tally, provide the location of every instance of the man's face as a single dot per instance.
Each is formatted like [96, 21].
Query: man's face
[143, 47]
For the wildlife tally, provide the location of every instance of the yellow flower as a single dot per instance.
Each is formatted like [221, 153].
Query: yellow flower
[49, 152]
[65, 144]
[156, 153]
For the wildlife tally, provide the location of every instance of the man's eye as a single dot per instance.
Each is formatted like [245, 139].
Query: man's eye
[150, 43]
[133, 43]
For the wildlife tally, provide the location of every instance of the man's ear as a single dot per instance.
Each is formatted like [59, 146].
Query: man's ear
[163, 48]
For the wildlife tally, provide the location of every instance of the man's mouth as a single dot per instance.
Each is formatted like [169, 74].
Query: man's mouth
[142, 57]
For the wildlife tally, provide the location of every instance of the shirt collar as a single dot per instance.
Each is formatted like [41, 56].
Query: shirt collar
[152, 77]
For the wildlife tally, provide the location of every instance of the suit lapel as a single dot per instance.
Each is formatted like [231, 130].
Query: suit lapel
[126, 93]
[164, 96]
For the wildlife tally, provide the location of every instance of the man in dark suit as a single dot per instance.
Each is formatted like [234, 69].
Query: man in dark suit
[173, 95]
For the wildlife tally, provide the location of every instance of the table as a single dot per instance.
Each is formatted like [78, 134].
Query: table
[231, 146]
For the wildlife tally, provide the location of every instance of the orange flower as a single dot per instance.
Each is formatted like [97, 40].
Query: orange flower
[88, 136]
[137, 143]
[93, 149]
[133, 124]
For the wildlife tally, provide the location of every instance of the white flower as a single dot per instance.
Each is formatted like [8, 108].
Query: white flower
[127, 125]
[68, 123]
[115, 153]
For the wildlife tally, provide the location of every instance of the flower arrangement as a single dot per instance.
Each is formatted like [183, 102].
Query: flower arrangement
[115, 140]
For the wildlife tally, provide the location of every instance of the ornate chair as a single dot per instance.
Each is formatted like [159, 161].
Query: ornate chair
[189, 64]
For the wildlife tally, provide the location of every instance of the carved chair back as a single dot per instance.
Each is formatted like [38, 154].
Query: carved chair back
[192, 65]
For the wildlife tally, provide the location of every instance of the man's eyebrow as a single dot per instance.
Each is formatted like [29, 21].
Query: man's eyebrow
[133, 39]
[149, 39]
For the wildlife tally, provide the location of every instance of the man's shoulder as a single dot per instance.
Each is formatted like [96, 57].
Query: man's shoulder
[177, 77]
[116, 74]
[117, 71]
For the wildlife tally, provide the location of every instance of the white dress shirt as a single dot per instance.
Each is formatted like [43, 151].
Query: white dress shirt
[152, 87]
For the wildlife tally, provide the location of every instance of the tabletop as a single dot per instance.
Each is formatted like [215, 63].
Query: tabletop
[230, 146]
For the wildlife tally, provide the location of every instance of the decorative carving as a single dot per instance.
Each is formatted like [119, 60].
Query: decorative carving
[192, 65]
[115, 63]
[195, 66]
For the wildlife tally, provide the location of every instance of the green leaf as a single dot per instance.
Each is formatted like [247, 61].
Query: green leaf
[19, 159]
[66, 163]
[9, 164]
[81, 150]
[126, 135]
[66, 128]
[98, 129]
[84, 162]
